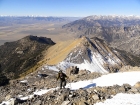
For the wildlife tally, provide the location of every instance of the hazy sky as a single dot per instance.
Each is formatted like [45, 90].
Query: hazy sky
[69, 7]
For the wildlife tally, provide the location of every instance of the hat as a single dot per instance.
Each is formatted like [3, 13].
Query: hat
[60, 71]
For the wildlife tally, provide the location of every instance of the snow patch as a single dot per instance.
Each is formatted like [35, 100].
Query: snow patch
[26, 97]
[122, 99]
[24, 81]
[108, 80]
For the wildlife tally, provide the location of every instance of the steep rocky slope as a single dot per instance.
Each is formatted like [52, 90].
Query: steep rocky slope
[115, 29]
[132, 45]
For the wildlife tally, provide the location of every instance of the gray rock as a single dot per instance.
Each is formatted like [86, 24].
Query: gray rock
[82, 103]
[127, 87]
[133, 90]
[65, 103]
[121, 89]
[38, 103]
[14, 101]
[95, 97]
[137, 85]
[7, 97]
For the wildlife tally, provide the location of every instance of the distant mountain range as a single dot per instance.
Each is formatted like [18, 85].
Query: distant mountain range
[119, 31]
[10, 20]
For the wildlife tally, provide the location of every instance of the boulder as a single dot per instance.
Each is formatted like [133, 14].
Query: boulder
[83, 72]
[127, 87]
[72, 70]
[15, 101]
[7, 97]
[65, 103]
[95, 97]
[137, 85]
[82, 103]
[133, 90]
[38, 103]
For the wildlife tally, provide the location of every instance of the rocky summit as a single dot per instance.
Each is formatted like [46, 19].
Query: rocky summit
[27, 90]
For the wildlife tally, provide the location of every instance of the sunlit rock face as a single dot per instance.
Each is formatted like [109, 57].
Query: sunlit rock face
[90, 54]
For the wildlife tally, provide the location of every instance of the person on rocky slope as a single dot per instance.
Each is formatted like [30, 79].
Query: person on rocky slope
[62, 77]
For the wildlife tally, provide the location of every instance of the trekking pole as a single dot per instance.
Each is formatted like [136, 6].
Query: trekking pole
[69, 84]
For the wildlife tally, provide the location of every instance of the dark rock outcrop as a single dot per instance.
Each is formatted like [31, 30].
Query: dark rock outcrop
[19, 56]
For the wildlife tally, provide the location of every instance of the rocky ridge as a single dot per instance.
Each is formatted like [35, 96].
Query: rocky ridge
[83, 50]
[19, 56]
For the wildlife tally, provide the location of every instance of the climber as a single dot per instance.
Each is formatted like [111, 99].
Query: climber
[62, 77]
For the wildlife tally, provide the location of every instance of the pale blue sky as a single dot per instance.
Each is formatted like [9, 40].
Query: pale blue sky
[75, 8]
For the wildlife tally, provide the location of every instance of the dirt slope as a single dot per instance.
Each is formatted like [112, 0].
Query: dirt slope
[58, 52]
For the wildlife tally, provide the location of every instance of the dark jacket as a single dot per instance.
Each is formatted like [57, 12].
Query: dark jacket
[62, 76]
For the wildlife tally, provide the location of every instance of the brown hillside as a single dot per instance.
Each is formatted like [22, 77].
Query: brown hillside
[58, 52]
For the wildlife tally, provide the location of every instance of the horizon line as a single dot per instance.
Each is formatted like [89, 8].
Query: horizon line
[64, 16]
